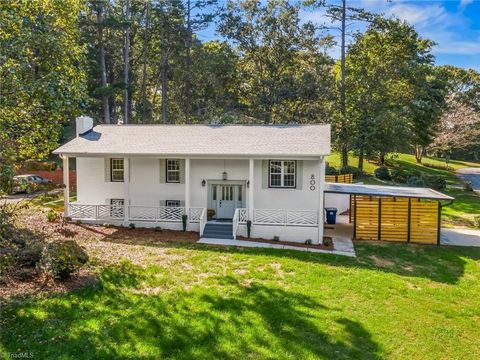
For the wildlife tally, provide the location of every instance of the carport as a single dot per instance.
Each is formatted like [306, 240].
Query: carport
[392, 213]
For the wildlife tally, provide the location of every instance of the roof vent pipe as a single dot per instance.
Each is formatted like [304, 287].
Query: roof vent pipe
[84, 124]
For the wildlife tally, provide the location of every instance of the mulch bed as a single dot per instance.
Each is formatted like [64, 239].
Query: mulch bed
[289, 243]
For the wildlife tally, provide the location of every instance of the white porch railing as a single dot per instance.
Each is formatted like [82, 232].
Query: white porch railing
[242, 215]
[195, 213]
[117, 212]
[235, 221]
[203, 220]
[285, 217]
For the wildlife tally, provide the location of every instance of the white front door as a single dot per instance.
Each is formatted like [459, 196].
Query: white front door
[226, 201]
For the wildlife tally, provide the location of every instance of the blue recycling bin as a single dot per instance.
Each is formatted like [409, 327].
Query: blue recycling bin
[331, 215]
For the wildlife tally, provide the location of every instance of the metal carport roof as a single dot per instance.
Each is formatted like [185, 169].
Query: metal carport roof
[380, 190]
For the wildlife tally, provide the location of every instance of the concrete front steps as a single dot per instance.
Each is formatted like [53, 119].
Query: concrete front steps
[218, 231]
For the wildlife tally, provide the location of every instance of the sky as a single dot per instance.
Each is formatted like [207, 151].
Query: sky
[453, 25]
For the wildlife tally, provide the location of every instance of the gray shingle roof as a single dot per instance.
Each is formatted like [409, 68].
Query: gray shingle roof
[201, 140]
[381, 190]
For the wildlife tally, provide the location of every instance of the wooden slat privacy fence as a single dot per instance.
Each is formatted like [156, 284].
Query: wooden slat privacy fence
[395, 219]
[344, 178]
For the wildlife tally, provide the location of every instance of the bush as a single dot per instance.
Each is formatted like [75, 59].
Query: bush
[31, 254]
[330, 170]
[436, 182]
[400, 175]
[158, 229]
[327, 241]
[351, 170]
[415, 181]
[52, 216]
[382, 173]
[276, 238]
[210, 213]
[131, 226]
[61, 258]
[476, 221]
[467, 186]
[32, 165]
[308, 242]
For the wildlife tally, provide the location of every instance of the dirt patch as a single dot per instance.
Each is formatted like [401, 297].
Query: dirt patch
[289, 243]
[381, 262]
[39, 284]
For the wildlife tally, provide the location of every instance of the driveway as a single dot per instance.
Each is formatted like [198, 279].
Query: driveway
[460, 237]
[472, 175]
[10, 199]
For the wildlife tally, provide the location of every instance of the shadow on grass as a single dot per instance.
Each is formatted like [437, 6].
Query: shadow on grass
[114, 319]
[437, 263]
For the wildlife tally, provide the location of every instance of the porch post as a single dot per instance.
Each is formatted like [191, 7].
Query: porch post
[126, 182]
[187, 188]
[321, 198]
[66, 183]
[250, 189]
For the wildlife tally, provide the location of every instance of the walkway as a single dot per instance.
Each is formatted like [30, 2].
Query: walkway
[341, 246]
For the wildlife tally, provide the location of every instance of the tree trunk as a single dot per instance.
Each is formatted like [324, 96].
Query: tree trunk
[418, 153]
[360, 159]
[382, 158]
[188, 83]
[145, 50]
[126, 59]
[343, 106]
[103, 71]
[164, 91]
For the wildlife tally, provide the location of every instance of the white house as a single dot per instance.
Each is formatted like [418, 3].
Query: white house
[152, 175]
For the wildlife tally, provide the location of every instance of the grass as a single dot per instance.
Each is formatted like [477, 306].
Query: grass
[466, 204]
[199, 302]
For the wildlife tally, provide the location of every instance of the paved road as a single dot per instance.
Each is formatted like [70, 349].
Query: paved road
[460, 237]
[472, 175]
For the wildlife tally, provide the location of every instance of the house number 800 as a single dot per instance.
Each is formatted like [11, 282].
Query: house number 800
[312, 182]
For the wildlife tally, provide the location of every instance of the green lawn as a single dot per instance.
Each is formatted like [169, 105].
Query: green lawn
[188, 301]
[466, 204]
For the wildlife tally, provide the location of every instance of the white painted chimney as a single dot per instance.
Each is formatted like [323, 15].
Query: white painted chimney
[84, 125]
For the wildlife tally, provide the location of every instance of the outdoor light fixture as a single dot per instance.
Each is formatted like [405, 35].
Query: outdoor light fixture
[224, 175]
[204, 183]
[248, 183]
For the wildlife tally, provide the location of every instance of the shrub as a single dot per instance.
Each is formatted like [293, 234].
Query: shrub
[476, 221]
[400, 175]
[308, 242]
[276, 238]
[382, 173]
[436, 182]
[32, 165]
[31, 254]
[467, 186]
[52, 216]
[61, 258]
[416, 181]
[351, 170]
[158, 228]
[210, 213]
[184, 222]
[330, 170]
[131, 226]
[327, 241]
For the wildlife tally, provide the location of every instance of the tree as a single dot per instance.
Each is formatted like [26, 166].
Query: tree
[272, 46]
[390, 89]
[42, 82]
[103, 70]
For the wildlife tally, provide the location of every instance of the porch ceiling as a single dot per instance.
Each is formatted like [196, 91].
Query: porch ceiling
[391, 191]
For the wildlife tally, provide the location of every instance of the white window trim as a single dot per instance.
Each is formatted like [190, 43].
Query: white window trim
[173, 171]
[112, 170]
[282, 175]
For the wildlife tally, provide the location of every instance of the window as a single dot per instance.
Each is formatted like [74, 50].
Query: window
[172, 203]
[116, 170]
[282, 174]
[116, 208]
[173, 171]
